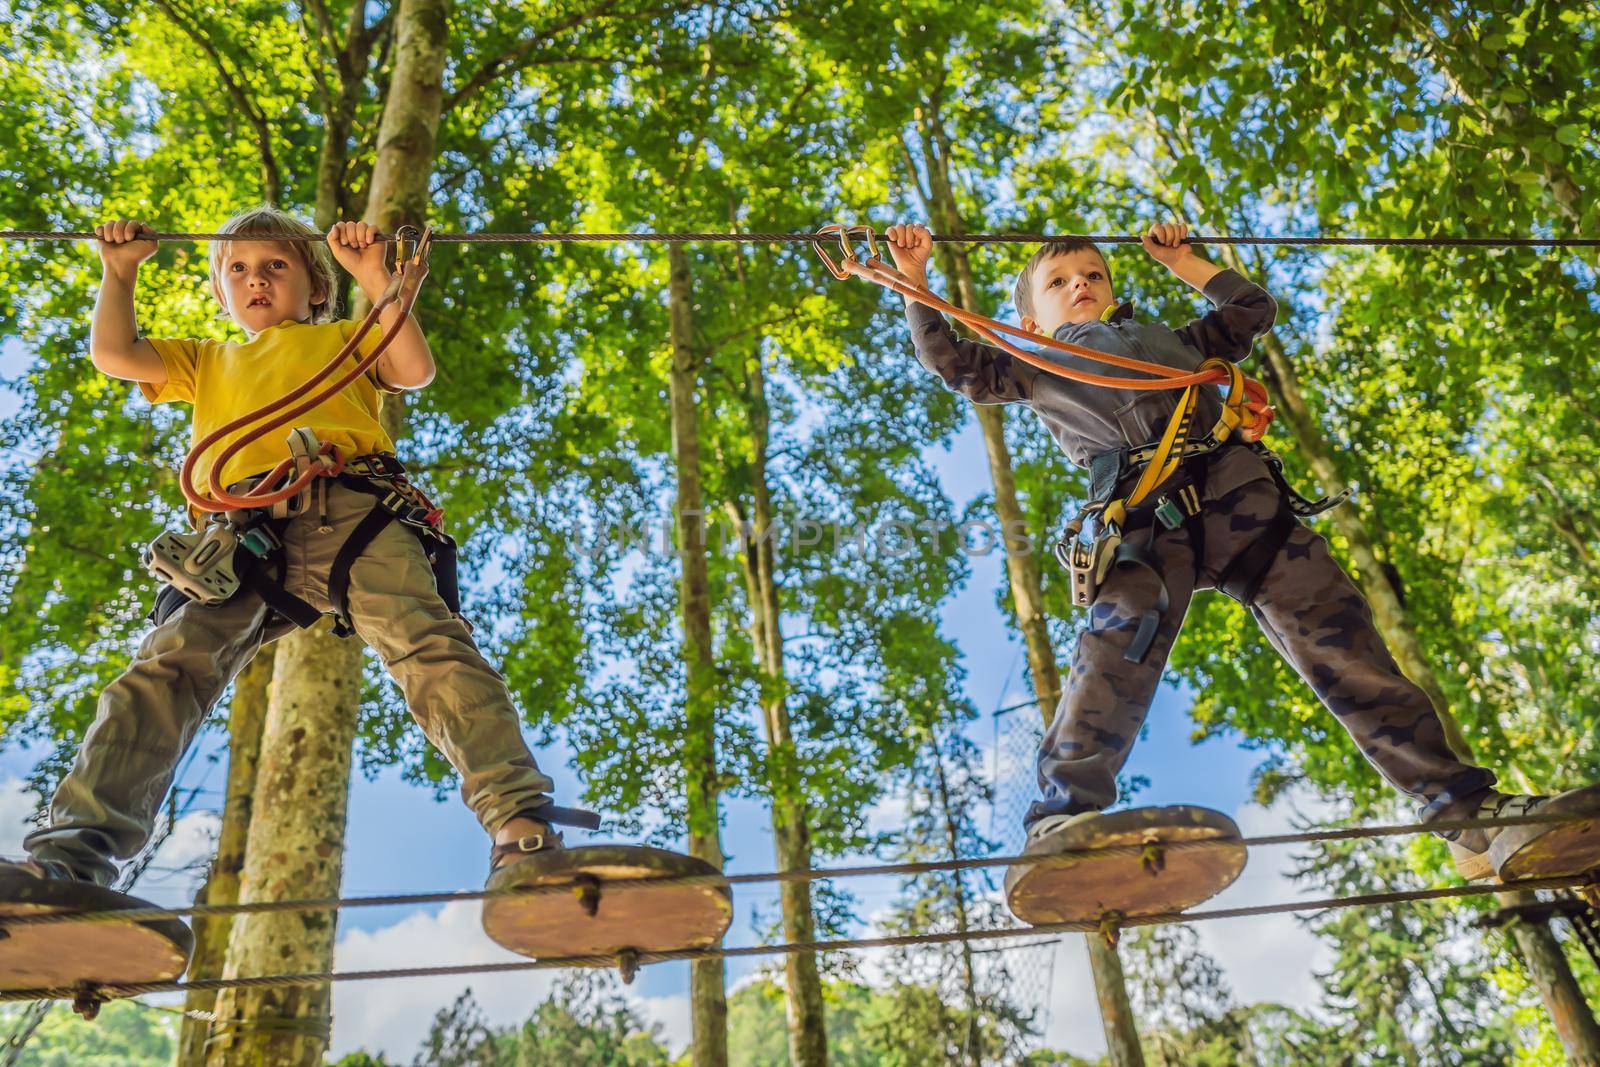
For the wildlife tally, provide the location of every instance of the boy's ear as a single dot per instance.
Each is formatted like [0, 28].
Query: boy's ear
[1029, 325]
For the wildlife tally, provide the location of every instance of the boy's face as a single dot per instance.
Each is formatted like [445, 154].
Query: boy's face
[264, 284]
[1075, 287]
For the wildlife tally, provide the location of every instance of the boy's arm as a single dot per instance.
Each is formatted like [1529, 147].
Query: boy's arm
[980, 372]
[408, 361]
[115, 347]
[1243, 311]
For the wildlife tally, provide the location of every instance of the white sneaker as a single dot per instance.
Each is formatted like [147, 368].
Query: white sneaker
[1042, 834]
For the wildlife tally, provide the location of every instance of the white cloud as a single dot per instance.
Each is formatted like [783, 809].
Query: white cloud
[1267, 957]
[672, 1014]
[17, 806]
[393, 1016]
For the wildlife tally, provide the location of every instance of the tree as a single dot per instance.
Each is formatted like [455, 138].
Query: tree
[947, 996]
[125, 1034]
[584, 1022]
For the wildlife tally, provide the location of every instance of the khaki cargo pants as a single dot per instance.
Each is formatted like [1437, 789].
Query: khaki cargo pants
[1311, 613]
[106, 805]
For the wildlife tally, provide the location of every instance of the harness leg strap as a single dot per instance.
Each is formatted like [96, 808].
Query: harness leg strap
[1134, 555]
[1242, 577]
[339, 574]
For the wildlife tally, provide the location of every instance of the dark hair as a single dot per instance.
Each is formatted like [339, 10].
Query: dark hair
[1022, 295]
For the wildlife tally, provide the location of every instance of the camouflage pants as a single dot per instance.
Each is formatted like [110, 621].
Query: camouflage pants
[1310, 611]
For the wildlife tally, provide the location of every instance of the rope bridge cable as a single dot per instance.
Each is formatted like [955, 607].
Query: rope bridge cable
[810, 875]
[648, 237]
[284, 981]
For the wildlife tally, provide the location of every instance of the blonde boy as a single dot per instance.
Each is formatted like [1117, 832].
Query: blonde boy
[281, 295]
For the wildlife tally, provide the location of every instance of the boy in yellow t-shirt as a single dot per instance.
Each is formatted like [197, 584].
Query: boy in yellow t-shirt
[281, 294]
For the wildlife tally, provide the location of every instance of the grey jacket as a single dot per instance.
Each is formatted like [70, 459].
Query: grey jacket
[1086, 420]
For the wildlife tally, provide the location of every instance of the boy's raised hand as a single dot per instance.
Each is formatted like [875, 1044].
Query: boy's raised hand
[124, 244]
[357, 248]
[910, 245]
[1168, 242]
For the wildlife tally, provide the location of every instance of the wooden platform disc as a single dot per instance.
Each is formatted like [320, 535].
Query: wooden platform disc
[1550, 851]
[1084, 888]
[99, 953]
[641, 918]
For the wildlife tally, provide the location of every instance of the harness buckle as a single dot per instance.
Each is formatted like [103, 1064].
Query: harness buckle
[260, 542]
[304, 449]
[198, 565]
[1086, 562]
[1168, 512]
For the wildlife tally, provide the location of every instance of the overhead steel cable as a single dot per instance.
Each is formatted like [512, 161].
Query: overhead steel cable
[698, 237]
[1352, 833]
[789, 948]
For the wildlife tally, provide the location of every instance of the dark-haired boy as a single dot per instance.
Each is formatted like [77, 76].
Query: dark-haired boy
[1242, 537]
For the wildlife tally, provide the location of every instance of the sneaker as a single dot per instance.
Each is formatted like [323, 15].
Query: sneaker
[1470, 848]
[1528, 850]
[1043, 834]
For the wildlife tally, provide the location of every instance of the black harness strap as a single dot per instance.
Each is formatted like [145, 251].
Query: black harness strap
[1184, 491]
[559, 816]
[253, 574]
[256, 568]
[339, 574]
[1242, 577]
[391, 506]
[1129, 554]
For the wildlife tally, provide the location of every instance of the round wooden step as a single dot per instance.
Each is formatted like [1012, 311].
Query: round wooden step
[1550, 850]
[1071, 888]
[68, 954]
[595, 918]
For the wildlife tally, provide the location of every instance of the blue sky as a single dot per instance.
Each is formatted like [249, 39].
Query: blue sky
[400, 839]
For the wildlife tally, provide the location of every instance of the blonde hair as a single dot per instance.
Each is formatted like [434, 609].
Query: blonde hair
[312, 252]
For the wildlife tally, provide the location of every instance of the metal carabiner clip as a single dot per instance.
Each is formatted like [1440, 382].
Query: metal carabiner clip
[411, 246]
[847, 236]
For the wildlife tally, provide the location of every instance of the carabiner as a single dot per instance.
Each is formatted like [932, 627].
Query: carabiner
[411, 246]
[847, 236]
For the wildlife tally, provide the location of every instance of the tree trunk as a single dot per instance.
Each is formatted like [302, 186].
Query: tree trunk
[1022, 570]
[1540, 949]
[707, 978]
[1563, 999]
[296, 840]
[246, 714]
[294, 849]
[1116, 1010]
[808, 1037]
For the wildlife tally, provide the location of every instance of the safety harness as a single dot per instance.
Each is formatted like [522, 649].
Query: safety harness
[244, 549]
[1175, 463]
[1180, 504]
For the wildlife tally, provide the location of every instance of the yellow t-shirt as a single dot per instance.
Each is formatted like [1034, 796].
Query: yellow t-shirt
[225, 380]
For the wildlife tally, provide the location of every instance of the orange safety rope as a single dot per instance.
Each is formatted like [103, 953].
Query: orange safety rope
[410, 263]
[1254, 408]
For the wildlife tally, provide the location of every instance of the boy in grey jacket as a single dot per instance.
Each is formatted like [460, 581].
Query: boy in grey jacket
[1240, 534]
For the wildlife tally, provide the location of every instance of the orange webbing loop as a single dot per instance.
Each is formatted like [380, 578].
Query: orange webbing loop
[402, 289]
[1246, 408]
